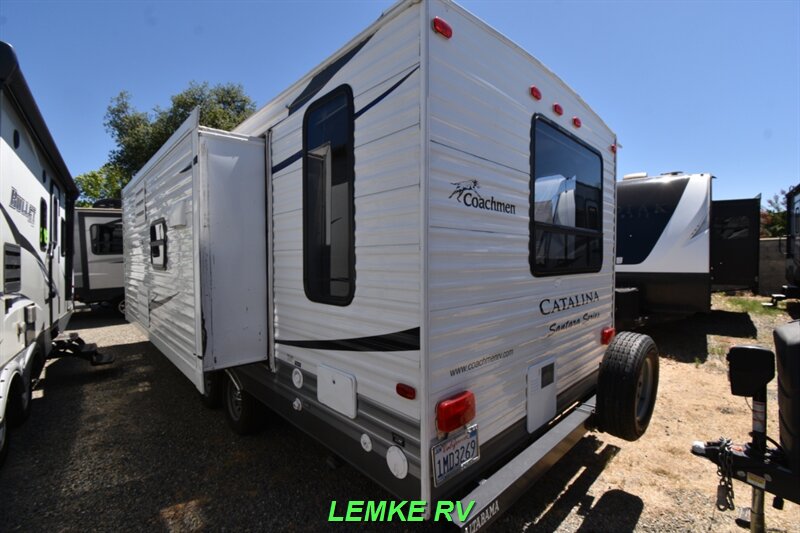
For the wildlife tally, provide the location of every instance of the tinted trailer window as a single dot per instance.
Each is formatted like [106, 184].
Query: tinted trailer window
[566, 202]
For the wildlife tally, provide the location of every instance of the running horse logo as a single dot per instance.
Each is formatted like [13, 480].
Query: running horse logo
[465, 186]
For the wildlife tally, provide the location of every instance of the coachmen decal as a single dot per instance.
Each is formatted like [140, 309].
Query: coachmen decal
[466, 192]
[549, 306]
[22, 206]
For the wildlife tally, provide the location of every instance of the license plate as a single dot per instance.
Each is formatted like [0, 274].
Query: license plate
[456, 453]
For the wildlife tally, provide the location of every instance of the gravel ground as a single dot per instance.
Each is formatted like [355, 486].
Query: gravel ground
[130, 447]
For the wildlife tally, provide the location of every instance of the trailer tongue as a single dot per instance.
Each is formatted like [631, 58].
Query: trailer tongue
[774, 470]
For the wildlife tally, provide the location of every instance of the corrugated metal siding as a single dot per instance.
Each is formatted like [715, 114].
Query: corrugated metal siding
[387, 202]
[483, 299]
[164, 299]
[135, 252]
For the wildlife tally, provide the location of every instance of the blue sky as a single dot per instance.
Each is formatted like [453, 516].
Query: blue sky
[698, 86]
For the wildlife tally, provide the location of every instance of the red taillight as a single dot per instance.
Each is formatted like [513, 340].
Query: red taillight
[614, 148]
[535, 92]
[607, 335]
[576, 122]
[406, 391]
[455, 412]
[442, 28]
[557, 109]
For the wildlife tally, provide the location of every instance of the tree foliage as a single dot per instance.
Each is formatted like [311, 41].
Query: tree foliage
[138, 135]
[774, 217]
[105, 182]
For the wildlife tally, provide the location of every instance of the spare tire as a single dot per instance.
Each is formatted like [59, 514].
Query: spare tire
[627, 386]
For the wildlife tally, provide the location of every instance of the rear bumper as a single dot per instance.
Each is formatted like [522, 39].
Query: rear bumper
[497, 493]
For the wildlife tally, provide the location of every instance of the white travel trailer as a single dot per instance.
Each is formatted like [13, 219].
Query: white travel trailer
[36, 202]
[372, 256]
[99, 273]
[675, 246]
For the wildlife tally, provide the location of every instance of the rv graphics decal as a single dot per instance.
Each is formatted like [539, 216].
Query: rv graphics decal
[26, 245]
[466, 192]
[549, 306]
[400, 341]
[22, 206]
[556, 327]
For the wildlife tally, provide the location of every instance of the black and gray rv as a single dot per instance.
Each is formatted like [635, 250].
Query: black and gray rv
[675, 246]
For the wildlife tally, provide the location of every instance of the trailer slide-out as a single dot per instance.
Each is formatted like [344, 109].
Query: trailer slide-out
[409, 254]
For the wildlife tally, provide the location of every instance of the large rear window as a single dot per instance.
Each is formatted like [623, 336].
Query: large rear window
[566, 202]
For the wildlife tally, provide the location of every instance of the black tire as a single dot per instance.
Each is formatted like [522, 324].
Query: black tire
[244, 413]
[37, 366]
[119, 306]
[19, 398]
[3, 441]
[212, 397]
[627, 386]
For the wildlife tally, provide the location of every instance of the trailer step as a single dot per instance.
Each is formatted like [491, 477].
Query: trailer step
[73, 346]
[72, 336]
[774, 301]
[99, 359]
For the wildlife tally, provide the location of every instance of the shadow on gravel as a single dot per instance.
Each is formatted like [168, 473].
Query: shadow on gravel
[549, 502]
[40, 450]
[686, 340]
[100, 318]
[129, 447]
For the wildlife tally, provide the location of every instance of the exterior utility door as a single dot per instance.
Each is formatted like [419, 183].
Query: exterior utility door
[233, 249]
[735, 244]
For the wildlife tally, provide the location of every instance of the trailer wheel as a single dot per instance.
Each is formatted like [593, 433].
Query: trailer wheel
[627, 386]
[212, 384]
[19, 398]
[3, 441]
[37, 366]
[244, 413]
[119, 305]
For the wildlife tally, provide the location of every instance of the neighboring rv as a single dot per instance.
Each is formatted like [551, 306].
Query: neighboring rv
[99, 273]
[36, 199]
[675, 246]
[792, 251]
[369, 256]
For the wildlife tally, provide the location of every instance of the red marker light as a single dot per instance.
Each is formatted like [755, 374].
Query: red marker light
[614, 148]
[535, 92]
[576, 122]
[455, 411]
[442, 28]
[607, 335]
[557, 109]
[406, 391]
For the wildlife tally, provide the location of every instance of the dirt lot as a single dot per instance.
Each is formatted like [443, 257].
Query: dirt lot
[129, 447]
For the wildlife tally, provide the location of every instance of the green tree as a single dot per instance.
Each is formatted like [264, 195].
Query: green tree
[138, 135]
[773, 216]
[105, 182]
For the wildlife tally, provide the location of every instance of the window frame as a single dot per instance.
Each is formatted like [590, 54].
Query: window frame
[64, 237]
[158, 244]
[106, 224]
[44, 235]
[308, 261]
[539, 272]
